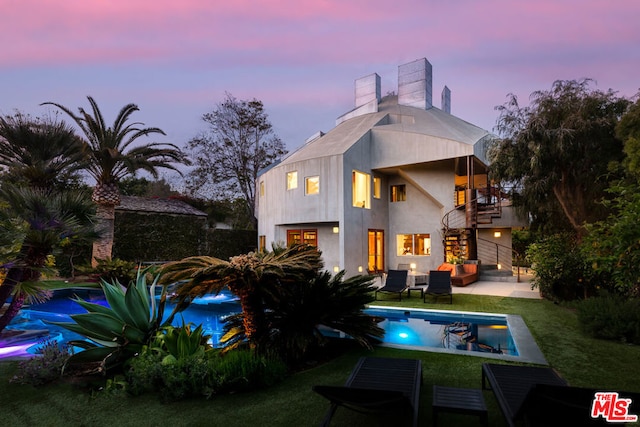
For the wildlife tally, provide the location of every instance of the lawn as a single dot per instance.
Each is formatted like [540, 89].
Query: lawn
[580, 360]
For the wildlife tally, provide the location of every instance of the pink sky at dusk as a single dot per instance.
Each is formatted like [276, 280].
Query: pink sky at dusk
[176, 59]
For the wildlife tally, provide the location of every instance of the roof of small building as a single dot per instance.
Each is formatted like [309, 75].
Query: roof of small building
[156, 205]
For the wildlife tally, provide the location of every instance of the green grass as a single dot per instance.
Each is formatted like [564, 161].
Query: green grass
[582, 361]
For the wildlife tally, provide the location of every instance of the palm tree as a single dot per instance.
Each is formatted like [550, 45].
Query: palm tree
[111, 155]
[40, 220]
[41, 152]
[247, 276]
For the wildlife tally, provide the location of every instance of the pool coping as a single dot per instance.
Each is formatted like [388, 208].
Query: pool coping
[528, 350]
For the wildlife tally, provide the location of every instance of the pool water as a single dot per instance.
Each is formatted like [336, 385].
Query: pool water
[429, 330]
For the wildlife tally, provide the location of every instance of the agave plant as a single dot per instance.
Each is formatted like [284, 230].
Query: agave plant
[122, 329]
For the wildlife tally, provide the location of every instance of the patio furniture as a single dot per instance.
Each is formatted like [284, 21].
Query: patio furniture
[417, 281]
[395, 283]
[511, 384]
[378, 385]
[439, 285]
[459, 400]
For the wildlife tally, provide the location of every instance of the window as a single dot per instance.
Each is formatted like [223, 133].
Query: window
[413, 244]
[310, 237]
[377, 183]
[312, 185]
[262, 243]
[376, 251]
[361, 188]
[261, 188]
[398, 193]
[292, 180]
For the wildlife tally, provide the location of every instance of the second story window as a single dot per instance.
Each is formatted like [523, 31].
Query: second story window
[292, 180]
[398, 193]
[361, 188]
[377, 184]
[312, 185]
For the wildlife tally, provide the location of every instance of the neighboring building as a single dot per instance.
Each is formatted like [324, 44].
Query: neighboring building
[395, 182]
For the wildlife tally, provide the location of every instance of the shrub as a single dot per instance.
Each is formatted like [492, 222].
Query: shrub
[611, 317]
[116, 270]
[241, 370]
[45, 367]
[560, 268]
[201, 374]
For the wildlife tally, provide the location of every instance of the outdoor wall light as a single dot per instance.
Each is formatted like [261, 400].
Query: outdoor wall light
[336, 269]
[336, 230]
[497, 234]
[499, 266]
[359, 269]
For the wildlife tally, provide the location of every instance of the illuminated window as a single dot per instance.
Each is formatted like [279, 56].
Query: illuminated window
[261, 188]
[309, 237]
[413, 244]
[398, 193]
[361, 188]
[262, 243]
[312, 185]
[377, 183]
[292, 180]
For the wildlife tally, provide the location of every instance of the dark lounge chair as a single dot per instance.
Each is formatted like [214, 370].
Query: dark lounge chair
[378, 385]
[439, 285]
[395, 283]
[511, 384]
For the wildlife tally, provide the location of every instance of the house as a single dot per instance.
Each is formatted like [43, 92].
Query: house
[397, 181]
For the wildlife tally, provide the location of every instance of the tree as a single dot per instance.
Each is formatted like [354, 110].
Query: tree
[111, 156]
[39, 152]
[41, 220]
[245, 275]
[557, 152]
[240, 141]
[37, 211]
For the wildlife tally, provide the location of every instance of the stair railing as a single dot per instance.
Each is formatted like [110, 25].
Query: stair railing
[500, 259]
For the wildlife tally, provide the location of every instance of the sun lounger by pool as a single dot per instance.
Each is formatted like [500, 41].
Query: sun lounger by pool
[512, 383]
[378, 385]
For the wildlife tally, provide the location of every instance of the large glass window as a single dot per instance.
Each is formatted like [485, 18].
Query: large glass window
[413, 244]
[309, 237]
[292, 180]
[312, 185]
[398, 193]
[361, 188]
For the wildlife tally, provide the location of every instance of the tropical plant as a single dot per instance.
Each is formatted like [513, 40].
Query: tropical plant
[247, 276]
[122, 329]
[181, 342]
[39, 221]
[297, 311]
[112, 155]
[42, 153]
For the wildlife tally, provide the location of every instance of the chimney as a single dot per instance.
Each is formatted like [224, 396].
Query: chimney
[415, 84]
[446, 100]
[367, 89]
[367, 97]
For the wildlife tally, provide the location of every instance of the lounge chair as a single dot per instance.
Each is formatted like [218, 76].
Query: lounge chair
[395, 283]
[439, 285]
[378, 385]
[512, 383]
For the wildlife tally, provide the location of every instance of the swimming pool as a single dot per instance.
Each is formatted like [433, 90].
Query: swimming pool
[480, 334]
